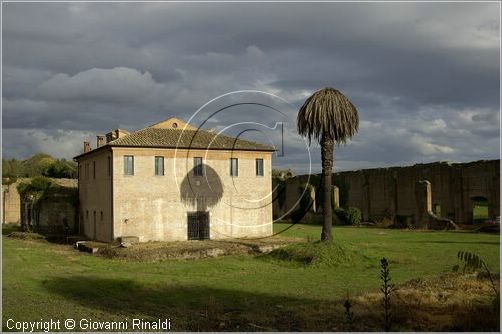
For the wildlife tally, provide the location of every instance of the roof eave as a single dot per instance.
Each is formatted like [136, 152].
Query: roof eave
[91, 151]
[196, 148]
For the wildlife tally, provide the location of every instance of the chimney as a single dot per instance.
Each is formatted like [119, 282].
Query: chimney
[109, 136]
[116, 134]
[100, 141]
[119, 133]
[87, 146]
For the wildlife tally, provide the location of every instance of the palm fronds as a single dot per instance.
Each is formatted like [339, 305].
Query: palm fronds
[329, 112]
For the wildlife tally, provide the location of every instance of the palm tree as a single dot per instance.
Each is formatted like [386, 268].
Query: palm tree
[329, 117]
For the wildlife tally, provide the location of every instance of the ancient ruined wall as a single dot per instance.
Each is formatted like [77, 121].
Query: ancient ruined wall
[57, 211]
[390, 192]
[52, 210]
[11, 204]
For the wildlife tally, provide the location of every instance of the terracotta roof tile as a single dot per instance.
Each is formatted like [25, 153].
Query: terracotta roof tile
[175, 138]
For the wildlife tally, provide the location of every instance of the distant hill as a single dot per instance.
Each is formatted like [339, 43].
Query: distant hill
[40, 164]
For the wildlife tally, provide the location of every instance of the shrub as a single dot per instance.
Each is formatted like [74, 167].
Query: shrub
[349, 216]
[404, 221]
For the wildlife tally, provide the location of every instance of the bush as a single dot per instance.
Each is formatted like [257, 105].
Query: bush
[404, 221]
[61, 169]
[349, 216]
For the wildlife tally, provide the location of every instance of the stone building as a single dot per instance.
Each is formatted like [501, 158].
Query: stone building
[171, 181]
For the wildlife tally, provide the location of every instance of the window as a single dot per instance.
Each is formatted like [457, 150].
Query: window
[94, 169]
[259, 167]
[128, 165]
[197, 166]
[86, 214]
[87, 171]
[109, 166]
[159, 165]
[101, 215]
[234, 167]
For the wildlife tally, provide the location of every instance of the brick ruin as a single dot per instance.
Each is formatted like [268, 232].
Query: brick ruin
[401, 192]
[55, 210]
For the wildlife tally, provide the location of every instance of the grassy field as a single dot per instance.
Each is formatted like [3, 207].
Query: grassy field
[43, 281]
[480, 213]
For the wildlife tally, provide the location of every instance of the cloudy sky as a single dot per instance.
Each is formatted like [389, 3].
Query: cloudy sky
[424, 76]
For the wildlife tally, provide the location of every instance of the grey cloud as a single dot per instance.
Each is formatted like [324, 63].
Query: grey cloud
[424, 76]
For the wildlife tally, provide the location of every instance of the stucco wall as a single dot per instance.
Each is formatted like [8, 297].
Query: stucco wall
[95, 193]
[155, 207]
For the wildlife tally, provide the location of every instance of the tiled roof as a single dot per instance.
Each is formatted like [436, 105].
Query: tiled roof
[177, 138]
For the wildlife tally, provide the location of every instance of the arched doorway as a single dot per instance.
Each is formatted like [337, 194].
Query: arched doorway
[479, 209]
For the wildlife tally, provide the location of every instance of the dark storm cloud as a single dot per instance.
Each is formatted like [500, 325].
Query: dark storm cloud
[424, 76]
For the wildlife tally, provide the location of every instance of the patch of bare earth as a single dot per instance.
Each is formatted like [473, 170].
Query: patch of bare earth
[159, 251]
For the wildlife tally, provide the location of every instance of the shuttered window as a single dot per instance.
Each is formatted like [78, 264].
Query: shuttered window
[197, 166]
[234, 167]
[259, 167]
[159, 166]
[128, 165]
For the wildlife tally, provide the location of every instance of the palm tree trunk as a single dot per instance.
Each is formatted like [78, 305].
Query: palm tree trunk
[327, 148]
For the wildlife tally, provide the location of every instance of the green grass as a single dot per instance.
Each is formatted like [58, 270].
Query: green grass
[44, 280]
[480, 213]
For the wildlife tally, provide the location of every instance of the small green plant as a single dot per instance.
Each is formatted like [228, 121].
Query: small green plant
[349, 315]
[471, 263]
[387, 288]
[349, 216]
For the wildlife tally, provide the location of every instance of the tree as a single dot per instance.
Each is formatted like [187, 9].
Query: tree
[328, 117]
[61, 169]
[37, 165]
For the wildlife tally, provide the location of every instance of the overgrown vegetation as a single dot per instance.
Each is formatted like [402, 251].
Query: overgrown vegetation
[38, 189]
[349, 216]
[470, 263]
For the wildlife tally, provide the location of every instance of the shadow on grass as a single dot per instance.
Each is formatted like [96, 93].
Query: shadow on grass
[191, 308]
[9, 228]
[496, 243]
[199, 308]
